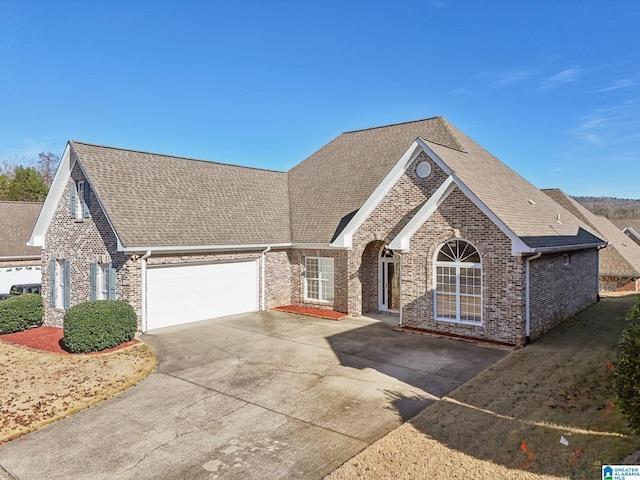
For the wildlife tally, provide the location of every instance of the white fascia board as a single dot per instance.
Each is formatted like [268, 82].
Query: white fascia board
[58, 186]
[518, 247]
[631, 231]
[200, 248]
[403, 239]
[210, 248]
[315, 246]
[344, 240]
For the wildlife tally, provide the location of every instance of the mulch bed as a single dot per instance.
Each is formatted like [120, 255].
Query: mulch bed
[312, 312]
[49, 339]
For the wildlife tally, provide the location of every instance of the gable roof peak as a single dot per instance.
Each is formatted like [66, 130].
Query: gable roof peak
[435, 130]
[394, 124]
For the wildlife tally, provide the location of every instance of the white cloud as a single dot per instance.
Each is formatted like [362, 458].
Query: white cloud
[507, 77]
[568, 75]
[618, 84]
[606, 127]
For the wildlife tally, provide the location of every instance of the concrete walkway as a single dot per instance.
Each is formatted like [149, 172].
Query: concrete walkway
[253, 396]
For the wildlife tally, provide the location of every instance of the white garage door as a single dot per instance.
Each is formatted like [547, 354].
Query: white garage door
[183, 294]
[15, 275]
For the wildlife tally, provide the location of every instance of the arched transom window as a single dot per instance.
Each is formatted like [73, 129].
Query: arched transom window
[458, 293]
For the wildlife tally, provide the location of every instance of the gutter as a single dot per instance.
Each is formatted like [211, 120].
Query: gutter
[211, 248]
[143, 289]
[565, 248]
[527, 301]
[263, 262]
[20, 257]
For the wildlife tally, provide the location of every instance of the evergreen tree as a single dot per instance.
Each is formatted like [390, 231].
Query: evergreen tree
[27, 185]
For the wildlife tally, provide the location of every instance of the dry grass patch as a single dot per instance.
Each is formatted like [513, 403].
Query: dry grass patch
[508, 421]
[39, 388]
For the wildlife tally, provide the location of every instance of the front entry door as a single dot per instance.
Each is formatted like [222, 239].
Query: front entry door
[389, 291]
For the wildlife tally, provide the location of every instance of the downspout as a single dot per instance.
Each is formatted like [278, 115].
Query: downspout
[263, 261]
[143, 289]
[598, 270]
[527, 327]
[400, 283]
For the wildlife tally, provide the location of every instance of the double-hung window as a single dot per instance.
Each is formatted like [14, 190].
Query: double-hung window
[60, 283]
[79, 198]
[458, 293]
[103, 281]
[318, 279]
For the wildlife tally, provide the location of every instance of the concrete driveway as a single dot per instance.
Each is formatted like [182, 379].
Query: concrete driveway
[252, 396]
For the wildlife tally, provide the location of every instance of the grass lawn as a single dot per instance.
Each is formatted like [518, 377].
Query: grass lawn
[38, 388]
[508, 421]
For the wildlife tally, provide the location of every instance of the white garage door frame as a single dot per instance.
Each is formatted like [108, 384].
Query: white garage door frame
[185, 293]
[17, 274]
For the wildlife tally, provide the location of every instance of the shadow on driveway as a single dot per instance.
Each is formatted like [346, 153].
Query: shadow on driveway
[252, 396]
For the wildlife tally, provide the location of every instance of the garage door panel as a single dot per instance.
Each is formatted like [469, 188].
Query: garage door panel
[182, 294]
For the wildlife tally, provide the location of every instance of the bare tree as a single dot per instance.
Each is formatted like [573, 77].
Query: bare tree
[47, 166]
[6, 169]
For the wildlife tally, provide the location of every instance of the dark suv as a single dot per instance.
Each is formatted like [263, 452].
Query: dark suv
[25, 288]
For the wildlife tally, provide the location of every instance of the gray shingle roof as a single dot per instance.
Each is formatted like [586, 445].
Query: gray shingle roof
[162, 200]
[337, 179]
[628, 222]
[623, 245]
[529, 213]
[16, 223]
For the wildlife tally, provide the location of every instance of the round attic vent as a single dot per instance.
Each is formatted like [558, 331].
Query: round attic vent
[423, 169]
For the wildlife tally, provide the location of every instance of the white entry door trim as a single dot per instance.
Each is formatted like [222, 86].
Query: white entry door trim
[388, 281]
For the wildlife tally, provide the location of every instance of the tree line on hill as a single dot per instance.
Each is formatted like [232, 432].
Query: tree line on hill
[28, 183]
[611, 207]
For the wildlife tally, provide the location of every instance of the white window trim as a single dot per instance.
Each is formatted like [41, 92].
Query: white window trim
[457, 266]
[80, 186]
[102, 276]
[59, 276]
[320, 281]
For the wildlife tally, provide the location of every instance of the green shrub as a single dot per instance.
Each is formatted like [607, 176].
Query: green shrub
[20, 313]
[98, 325]
[627, 370]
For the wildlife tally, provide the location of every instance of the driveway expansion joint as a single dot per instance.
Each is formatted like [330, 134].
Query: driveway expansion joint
[249, 402]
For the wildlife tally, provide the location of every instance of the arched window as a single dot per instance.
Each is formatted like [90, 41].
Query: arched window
[458, 293]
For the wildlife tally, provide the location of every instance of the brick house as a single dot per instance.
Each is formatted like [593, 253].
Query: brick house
[19, 263]
[619, 266]
[415, 220]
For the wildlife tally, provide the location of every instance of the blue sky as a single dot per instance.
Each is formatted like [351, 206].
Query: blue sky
[552, 88]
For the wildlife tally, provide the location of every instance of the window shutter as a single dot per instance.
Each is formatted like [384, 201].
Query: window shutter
[52, 282]
[93, 270]
[67, 284]
[72, 199]
[112, 283]
[85, 204]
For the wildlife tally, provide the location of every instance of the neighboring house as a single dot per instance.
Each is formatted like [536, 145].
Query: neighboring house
[414, 219]
[620, 261]
[18, 262]
[632, 234]
[630, 227]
